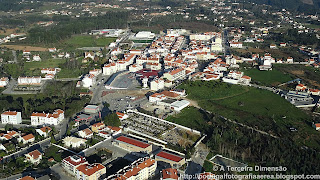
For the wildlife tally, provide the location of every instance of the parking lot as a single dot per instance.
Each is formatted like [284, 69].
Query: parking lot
[125, 80]
[120, 100]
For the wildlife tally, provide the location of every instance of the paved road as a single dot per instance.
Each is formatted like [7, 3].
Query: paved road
[14, 54]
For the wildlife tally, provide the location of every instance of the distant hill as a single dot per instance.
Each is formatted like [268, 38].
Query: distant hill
[306, 6]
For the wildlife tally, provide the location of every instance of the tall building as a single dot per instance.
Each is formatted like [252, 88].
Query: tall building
[11, 117]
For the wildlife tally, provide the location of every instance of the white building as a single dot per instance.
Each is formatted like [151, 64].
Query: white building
[11, 117]
[44, 131]
[236, 44]
[157, 84]
[29, 80]
[135, 67]
[74, 142]
[86, 133]
[157, 97]
[50, 119]
[34, 157]
[50, 70]
[95, 72]
[36, 58]
[145, 35]
[4, 81]
[179, 105]
[89, 80]
[176, 74]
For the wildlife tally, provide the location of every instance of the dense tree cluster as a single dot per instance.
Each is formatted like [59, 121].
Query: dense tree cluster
[65, 29]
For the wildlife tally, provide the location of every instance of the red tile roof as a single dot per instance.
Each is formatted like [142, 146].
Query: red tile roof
[169, 174]
[133, 142]
[28, 137]
[10, 113]
[74, 163]
[169, 156]
[27, 178]
[90, 169]
[35, 154]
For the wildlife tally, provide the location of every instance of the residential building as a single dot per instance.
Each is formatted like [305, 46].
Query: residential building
[114, 130]
[44, 131]
[88, 55]
[97, 126]
[91, 171]
[86, 133]
[142, 169]
[27, 139]
[36, 57]
[236, 44]
[71, 163]
[74, 142]
[4, 81]
[50, 119]
[157, 84]
[34, 157]
[11, 117]
[50, 70]
[301, 87]
[157, 97]
[316, 126]
[175, 74]
[95, 72]
[121, 115]
[170, 174]
[133, 145]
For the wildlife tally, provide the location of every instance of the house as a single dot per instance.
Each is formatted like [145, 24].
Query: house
[86, 133]
[91, 171]
[236, 44]
[170, 174]
[71, 163]
[95, 72]
[156, 97]
[34, 157]
[27, 178]
[173, 159]
[97, 126]
[4, 81]
[51, 119]
[122, 116]
[283, 44]
[114, 130]
[290, 60]
[132, 145]
[316, 126]
[206, 176]
[74, 142]
[52, 50]
[36, 57]
[27, 139]
[315, 92]
[88, 55]
[245, 79]
[44, 131]
[11, 117]
[273, 46]
[26, 52]
[50, 70]
[301, 87]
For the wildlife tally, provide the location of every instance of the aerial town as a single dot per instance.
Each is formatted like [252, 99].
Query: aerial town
[159, 89]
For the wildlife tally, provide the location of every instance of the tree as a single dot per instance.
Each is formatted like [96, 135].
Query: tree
[112, 120]
[8, 127]
[53, 140]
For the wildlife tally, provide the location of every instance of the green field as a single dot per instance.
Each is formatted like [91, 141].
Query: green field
[67, 73]
[34, 68]
[268, 78]
[89, 41]
[254, 107]
[190, 117]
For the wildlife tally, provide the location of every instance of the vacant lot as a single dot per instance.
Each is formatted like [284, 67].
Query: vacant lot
[34, 68]
[268, 78]
[89, 41]
[254, 107]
